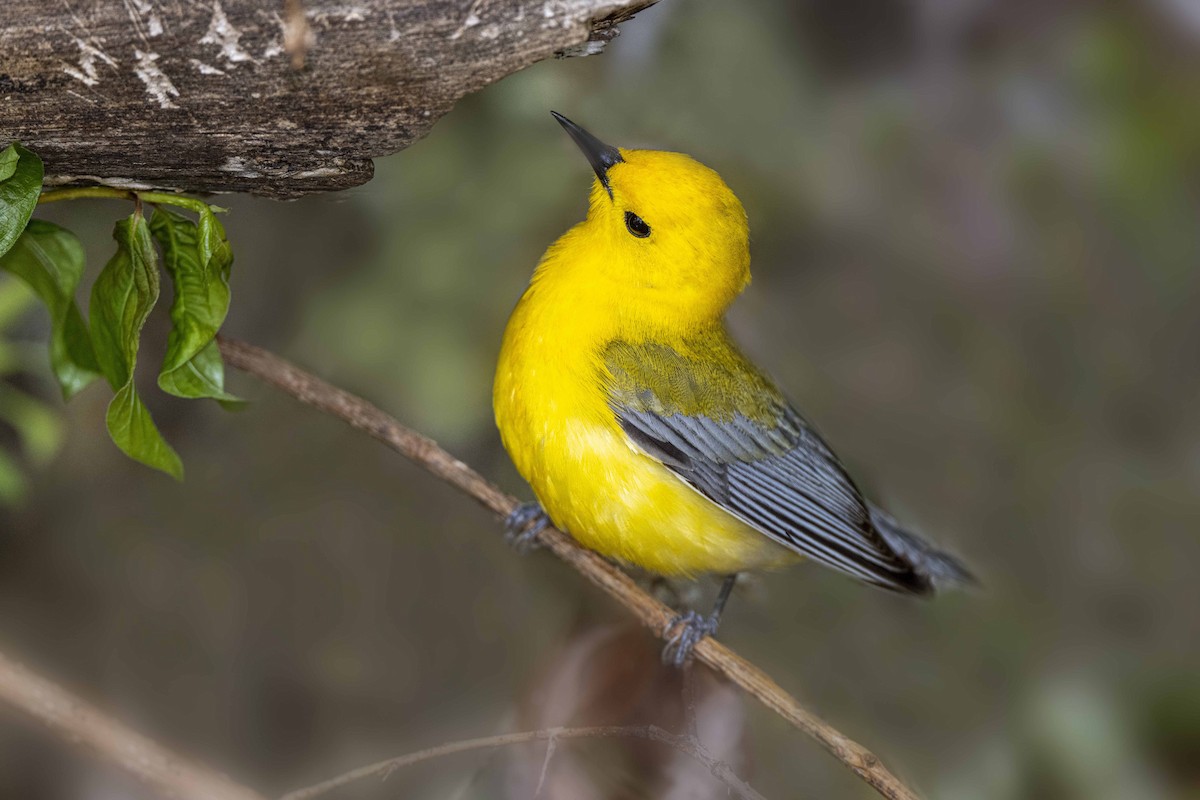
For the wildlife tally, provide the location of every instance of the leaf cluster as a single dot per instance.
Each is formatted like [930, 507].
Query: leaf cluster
[195, 256]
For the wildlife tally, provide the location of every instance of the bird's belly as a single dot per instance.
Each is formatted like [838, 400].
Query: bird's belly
[618, 501]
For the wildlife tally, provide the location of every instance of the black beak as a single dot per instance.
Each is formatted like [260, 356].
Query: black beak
[600, 155]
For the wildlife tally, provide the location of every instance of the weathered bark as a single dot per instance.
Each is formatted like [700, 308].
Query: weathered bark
[273, 97]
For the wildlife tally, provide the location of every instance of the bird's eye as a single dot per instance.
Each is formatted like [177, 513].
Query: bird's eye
[636, 225]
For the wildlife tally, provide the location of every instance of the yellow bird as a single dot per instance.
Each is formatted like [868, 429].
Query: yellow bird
[644, 431]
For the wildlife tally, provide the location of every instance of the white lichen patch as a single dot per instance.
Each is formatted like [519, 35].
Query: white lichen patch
[205, 69]
[87, 73]
[323, 16]
[154, 26]
[222, 34]
[119, 183]
[157, 84]
[470, 21]
[591, 47]
[320, 172]
[551, 12]
[565, 13]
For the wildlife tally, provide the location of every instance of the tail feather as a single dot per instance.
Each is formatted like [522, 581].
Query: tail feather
[942, 570]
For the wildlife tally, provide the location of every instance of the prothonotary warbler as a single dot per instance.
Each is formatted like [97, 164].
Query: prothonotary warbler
[643, 430]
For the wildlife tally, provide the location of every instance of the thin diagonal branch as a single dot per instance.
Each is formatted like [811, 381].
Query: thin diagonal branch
[551, 746]
[684, 744]
[84, 725]
[424, 451]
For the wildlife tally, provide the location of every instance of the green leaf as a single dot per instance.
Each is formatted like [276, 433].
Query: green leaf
[49, 259]
[19, 192]
[198, 259]
[201, 376]
[12, 481]
[122, 297]
[39, 427]
[15, 299]
[133, 430]
[8, 161]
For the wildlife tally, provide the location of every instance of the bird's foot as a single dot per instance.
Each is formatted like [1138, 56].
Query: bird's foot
[523, 525]
[686, 631]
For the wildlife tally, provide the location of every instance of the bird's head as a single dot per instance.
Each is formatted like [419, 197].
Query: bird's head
[664, 227]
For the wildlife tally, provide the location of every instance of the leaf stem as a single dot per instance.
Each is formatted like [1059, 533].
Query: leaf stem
[80, 192]
[182, 201]
[113, 193]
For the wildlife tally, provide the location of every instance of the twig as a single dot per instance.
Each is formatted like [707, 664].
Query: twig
[297, 35]
[79, 722]
[653, 614]
[684, 744]
[551, 746]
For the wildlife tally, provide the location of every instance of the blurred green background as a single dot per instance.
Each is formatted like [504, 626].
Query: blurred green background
[976, 251]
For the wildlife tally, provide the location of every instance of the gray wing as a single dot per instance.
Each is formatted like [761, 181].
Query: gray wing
[782, 481]
[771, 470]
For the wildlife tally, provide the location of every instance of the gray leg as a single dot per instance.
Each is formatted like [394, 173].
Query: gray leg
[523, 525]
[690, 627]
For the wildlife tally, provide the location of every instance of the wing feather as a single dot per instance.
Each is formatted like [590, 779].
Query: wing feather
[729, 433]
[761, 501]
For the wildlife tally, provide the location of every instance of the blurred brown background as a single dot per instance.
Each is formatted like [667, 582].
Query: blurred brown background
[976, 258]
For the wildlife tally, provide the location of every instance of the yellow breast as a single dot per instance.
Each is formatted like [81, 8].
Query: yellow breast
[554, 420]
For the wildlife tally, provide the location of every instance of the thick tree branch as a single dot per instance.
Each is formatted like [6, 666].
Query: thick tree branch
[687, 745]
[273, 97]
[653, 614]
[82, 724]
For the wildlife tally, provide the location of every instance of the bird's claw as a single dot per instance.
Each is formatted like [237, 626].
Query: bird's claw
[688, 629]
[522, 526]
